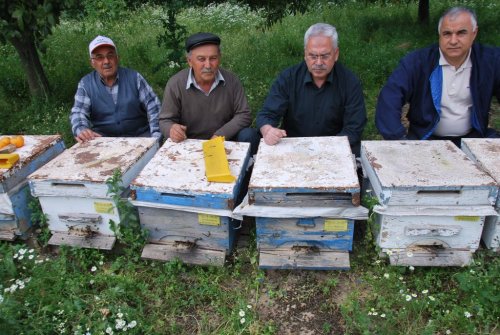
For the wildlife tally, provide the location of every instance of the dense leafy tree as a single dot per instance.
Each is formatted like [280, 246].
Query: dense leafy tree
[25, 23]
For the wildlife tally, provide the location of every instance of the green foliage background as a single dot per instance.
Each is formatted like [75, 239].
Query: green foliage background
[373, 36]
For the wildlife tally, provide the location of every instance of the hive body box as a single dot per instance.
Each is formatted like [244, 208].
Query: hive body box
[434, 201]
[188, 217]
[313, 172]
[15, 215]
[486, 153]
[73, 192]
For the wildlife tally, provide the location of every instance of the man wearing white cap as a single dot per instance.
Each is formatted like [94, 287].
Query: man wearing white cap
[113, 101]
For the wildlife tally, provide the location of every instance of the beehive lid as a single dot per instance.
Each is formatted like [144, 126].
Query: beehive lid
[177, 175]
[295, 169]
[417, 167]
[95, 161]
[486, 152]
[31, 156]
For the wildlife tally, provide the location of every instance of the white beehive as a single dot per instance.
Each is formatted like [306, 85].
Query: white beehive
[73, 192]
[486, 153]
[434, 201]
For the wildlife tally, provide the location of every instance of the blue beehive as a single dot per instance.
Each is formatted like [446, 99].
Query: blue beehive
[303, 191]
[15, 215]
[188, 217]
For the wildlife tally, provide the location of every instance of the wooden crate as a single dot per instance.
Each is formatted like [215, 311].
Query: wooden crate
[422, 173]
[312, 172]
[188, 217]
[486, 153]
[73, 192]
[15, 215]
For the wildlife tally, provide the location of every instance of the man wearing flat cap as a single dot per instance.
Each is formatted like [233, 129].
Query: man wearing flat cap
[113, 101]
[204, 100]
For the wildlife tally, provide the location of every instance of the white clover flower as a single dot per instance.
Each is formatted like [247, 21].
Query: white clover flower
[120, 323]
[467, 314]
[386, 276]
[31, 251]
[431, 298]
[242, 313]
[425, 291]
[370, 313]
[414, 295]
[242, 320]
[109, 330]
[22, 251]
[27, 280]
[409, 254]
[15, 256]
[119, 315]
[472, 271]
[92, 282]
[448, 331]
[389, 252]
[378, 261]
[132, 324]
[408, 297]
[382, 315]
[411, 268]
[93, 269]
[249, 306]
[375, 313]
[31, 256]
[21, 257]
[101, 262]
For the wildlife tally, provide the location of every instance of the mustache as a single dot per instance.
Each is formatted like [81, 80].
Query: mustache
[207, 70]
[319, 67]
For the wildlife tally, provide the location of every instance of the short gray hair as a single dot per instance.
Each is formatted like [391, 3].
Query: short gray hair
[454, 12]
[322, 29]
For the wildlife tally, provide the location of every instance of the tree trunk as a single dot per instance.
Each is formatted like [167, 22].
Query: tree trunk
[37, 80]
[423, 11]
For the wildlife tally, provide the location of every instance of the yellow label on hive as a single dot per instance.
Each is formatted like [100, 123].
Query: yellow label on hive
[104, 207]
[467, 218]
[335, 225]
[209, 220]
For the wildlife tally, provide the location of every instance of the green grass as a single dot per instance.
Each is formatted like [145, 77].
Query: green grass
[77, 291]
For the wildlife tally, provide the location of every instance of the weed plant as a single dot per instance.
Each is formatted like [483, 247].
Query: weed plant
[77, 291]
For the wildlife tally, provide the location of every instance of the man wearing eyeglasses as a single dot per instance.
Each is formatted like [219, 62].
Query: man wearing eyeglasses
[449, 86]
[317, 97]
[113, 101]
[204, 100]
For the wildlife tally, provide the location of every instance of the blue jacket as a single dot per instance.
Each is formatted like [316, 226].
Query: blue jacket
[418, 81]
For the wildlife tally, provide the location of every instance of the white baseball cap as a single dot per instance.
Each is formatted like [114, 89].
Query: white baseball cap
[100, 41]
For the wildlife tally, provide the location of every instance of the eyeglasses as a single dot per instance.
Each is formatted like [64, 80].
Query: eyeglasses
[322, 57]
[100, 57]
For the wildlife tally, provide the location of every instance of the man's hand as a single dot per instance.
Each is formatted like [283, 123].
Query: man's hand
[272, 135]
[86, 135]
[178, 133]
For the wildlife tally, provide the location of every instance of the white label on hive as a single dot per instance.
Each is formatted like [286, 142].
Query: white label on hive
[468, 218]
[335, 225]
[104, 207]
[209, 220]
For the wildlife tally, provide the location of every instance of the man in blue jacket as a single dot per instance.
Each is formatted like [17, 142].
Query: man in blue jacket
[449, 86]
[113, 101]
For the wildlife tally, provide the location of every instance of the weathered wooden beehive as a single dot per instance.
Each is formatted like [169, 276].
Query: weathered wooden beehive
[486, 153]
[301, 190]
[433, 201]
[188, 217]
[73, 192]
[15, 215]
